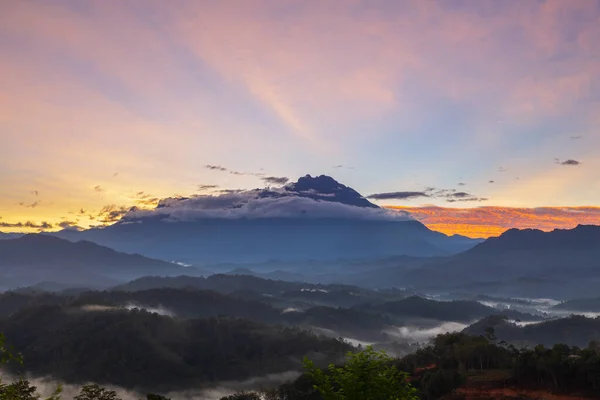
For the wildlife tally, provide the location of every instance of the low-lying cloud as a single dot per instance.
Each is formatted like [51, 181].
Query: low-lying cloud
[417, 334]
[258, 204]
[47, 385]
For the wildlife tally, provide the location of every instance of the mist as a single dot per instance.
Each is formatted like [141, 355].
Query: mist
[47, 385]
[160, 310]
[419, 334]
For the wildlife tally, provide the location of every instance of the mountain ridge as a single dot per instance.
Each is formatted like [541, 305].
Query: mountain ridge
[561, 255]
[35, 258]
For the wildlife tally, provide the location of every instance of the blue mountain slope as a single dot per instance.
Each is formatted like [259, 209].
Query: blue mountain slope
[314, 218]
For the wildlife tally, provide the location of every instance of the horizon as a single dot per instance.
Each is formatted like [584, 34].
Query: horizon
[111, 105]
[474, 222]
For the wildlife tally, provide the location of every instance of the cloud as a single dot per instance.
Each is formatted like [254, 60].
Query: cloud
[112, 213]
[28, 224]
[342, 166]
[576, 137]
[98, 189]
[203, 188]
[258, 203]
[69, 225]
[397, 195]
[467, 199]
[35, 193]
[491, 181]
[492, 221]
[462, 184]
[275, 180]
[450, 195]
[264, 71]
[152, 201]
[570, 162]
[32, 205]
[216, 168]
[231, 191]
[501, 169]
[462, 196]
[232, 172]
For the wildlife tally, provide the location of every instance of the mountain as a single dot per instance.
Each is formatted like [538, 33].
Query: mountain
[544, 258]
[591, 305]
[4, 236]
[575, 330]
[315, 218]
[36, 258]
[326, 188]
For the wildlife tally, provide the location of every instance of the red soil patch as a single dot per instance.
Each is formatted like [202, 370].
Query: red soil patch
[511, 393]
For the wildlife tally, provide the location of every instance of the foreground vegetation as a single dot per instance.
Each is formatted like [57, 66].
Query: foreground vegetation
[440, 370]
[435, 372]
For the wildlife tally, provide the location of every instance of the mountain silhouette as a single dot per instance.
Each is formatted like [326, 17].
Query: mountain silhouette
[325, 188]
[36, 258]
[562, 255]
[315, 218]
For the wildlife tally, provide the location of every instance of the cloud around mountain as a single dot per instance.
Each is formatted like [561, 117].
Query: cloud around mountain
[310, 197]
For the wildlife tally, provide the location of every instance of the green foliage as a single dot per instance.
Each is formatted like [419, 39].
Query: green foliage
[367, 375]
[20, 390]
[95, 392]
[7, 353]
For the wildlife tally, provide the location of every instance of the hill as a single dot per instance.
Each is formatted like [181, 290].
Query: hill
[4, 236]
[136, 349]
[565, 258]
[575, 330]
[37, 258]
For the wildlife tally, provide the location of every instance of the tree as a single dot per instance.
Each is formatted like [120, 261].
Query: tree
[20, 390]
[7, 353]
[367, 375]
[95, 392]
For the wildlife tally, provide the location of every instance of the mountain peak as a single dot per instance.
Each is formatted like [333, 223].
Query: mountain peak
[326, 188]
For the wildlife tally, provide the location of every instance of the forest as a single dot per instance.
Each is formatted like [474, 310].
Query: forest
[232, 328]
[438, 371]
[139, 349]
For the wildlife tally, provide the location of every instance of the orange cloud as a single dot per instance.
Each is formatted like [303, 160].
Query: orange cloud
[482, 222]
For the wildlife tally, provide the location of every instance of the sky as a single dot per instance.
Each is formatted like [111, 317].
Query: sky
[105, 105]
